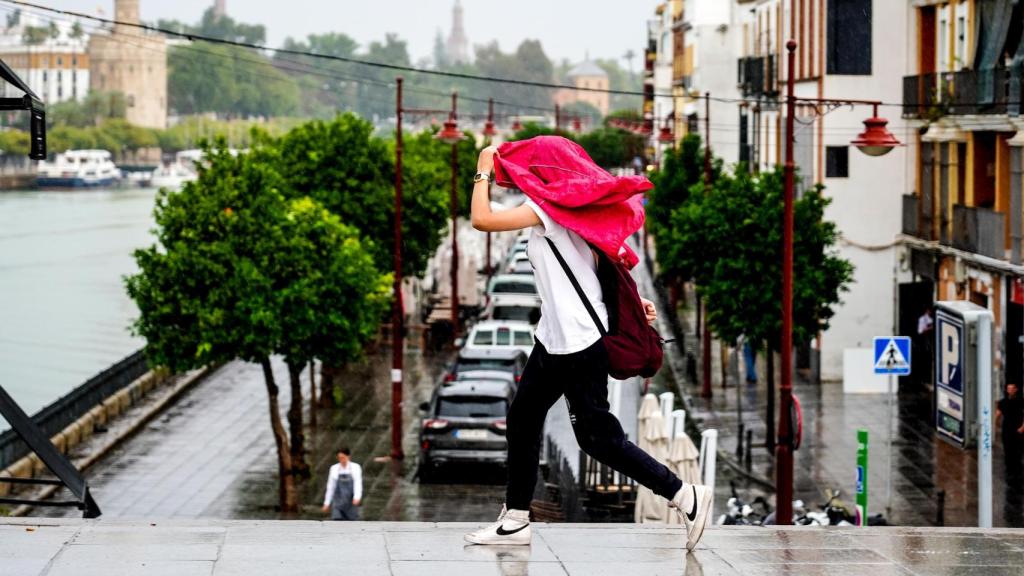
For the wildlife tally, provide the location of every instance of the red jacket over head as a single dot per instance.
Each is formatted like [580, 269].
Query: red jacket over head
[560, 177]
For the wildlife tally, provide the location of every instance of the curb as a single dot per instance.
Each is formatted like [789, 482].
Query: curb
[185, 384]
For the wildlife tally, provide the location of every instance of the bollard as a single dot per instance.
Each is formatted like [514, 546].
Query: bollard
[940, 508]
[750, 442]
[739, 443]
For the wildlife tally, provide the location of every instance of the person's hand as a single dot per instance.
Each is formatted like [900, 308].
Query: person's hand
[649, 310]
[357, 501]
[326, 508]
[485, 163]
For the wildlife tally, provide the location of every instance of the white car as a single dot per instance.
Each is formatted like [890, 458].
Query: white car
[501, 334]
[512, 284]
[516, 262]
[513, 307]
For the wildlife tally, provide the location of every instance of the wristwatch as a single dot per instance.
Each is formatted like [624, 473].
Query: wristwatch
[481, 176]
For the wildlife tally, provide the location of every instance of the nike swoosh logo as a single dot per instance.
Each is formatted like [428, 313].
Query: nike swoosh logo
[502, 532]
[692, 514]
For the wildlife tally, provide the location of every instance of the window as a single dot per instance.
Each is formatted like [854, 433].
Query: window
[837, 161]
[483, 338]
[849, 37]
[523, 338]
[60, 61]
[504, 337]
[472, 407]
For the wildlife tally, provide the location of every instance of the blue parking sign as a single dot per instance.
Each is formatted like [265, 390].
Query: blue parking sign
[892, 355]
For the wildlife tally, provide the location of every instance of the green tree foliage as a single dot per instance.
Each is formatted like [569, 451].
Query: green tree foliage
[239, 271]
[433, 158]
[684, 168]
[227, 80]
[351, 172]
[528, 62]
[608, 147]
[731, 240]
[94, 109]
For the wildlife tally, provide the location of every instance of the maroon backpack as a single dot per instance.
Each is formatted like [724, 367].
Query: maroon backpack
[634, 347]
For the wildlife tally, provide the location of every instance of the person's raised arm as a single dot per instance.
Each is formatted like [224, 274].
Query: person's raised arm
[486, 220]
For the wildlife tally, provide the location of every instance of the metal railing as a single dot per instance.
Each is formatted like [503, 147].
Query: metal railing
[70, 407]
[957, 93]
[979, 230]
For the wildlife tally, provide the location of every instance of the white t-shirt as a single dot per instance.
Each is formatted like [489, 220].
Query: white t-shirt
[565, 325]
[355, 470]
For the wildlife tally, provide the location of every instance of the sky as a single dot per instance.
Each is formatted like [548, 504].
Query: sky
[568, 29]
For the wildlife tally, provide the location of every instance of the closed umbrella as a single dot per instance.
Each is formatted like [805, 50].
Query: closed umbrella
[649, 506]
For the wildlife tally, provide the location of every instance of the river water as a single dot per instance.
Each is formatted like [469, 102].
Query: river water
[64, 313]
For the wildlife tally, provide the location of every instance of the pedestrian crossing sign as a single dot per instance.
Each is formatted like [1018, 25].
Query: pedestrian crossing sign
[892, 355]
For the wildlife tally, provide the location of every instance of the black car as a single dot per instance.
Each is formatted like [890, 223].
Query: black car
[464, 422]
[498, 359]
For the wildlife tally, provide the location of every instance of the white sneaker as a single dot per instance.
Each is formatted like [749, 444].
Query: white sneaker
[693, 503]
[511, 529]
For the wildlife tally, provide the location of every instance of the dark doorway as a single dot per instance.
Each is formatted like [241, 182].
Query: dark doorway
[1014, 330]
[917, 299]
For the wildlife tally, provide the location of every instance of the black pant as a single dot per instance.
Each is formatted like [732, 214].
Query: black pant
[583, 378]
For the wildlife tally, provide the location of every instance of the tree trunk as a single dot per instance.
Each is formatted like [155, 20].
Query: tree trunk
[298, 437]
[769, 439]
[287, 495]
[312, 394]
[327, 386]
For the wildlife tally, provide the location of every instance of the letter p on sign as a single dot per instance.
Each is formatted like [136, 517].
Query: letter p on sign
[949, 340]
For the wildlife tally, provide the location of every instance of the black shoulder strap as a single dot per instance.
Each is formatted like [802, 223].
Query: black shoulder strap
[579, 289]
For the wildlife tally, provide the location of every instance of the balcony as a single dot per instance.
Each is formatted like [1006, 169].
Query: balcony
[930, 96]
[756, 76]
[979, 230]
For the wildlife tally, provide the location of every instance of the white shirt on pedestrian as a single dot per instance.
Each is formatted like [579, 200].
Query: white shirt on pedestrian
[565, 325]
[354, 470]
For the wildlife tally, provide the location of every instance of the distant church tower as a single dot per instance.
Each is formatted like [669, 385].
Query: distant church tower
[220, 8]
[458, 45]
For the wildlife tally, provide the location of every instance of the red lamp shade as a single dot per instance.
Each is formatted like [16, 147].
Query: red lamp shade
[665, 136]
[489, 130]
[450, 133]
[645, 129]
[577, 126]
[517, 125]
[876, 140]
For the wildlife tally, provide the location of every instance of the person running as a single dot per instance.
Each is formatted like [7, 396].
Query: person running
[569, 358]
[344, 492]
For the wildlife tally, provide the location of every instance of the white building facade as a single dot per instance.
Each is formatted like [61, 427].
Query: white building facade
[52, 60]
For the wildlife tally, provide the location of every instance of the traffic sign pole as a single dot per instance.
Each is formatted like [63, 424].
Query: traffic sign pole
[984, 421]
[888, 476]
[862, 476]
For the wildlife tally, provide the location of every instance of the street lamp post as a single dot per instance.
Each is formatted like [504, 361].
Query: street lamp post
[397, 310]
[451, 135]
[876, 140]
[706, 340]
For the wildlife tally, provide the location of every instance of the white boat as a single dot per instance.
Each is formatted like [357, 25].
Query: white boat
[174, 175]
[78, 169]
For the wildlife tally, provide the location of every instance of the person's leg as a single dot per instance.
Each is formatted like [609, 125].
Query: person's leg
[750, 360]
[598, 431]
[536, 394]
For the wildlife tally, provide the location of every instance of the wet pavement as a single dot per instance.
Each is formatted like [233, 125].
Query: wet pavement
[184, 548]
[211, 455]
[922, 464]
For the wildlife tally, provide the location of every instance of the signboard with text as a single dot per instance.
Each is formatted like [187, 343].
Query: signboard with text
[951, 414]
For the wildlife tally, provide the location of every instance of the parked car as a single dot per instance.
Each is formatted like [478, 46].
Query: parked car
[464, 422]
[501, 334]
[516, 262]
[510, 360]
[514, 307]
[488, 374]
[512, 284]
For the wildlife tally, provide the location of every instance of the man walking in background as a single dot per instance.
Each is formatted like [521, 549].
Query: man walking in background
[1010, 413]
[344, 491]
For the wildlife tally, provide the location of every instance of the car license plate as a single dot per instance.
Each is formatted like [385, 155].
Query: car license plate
[471, 434]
